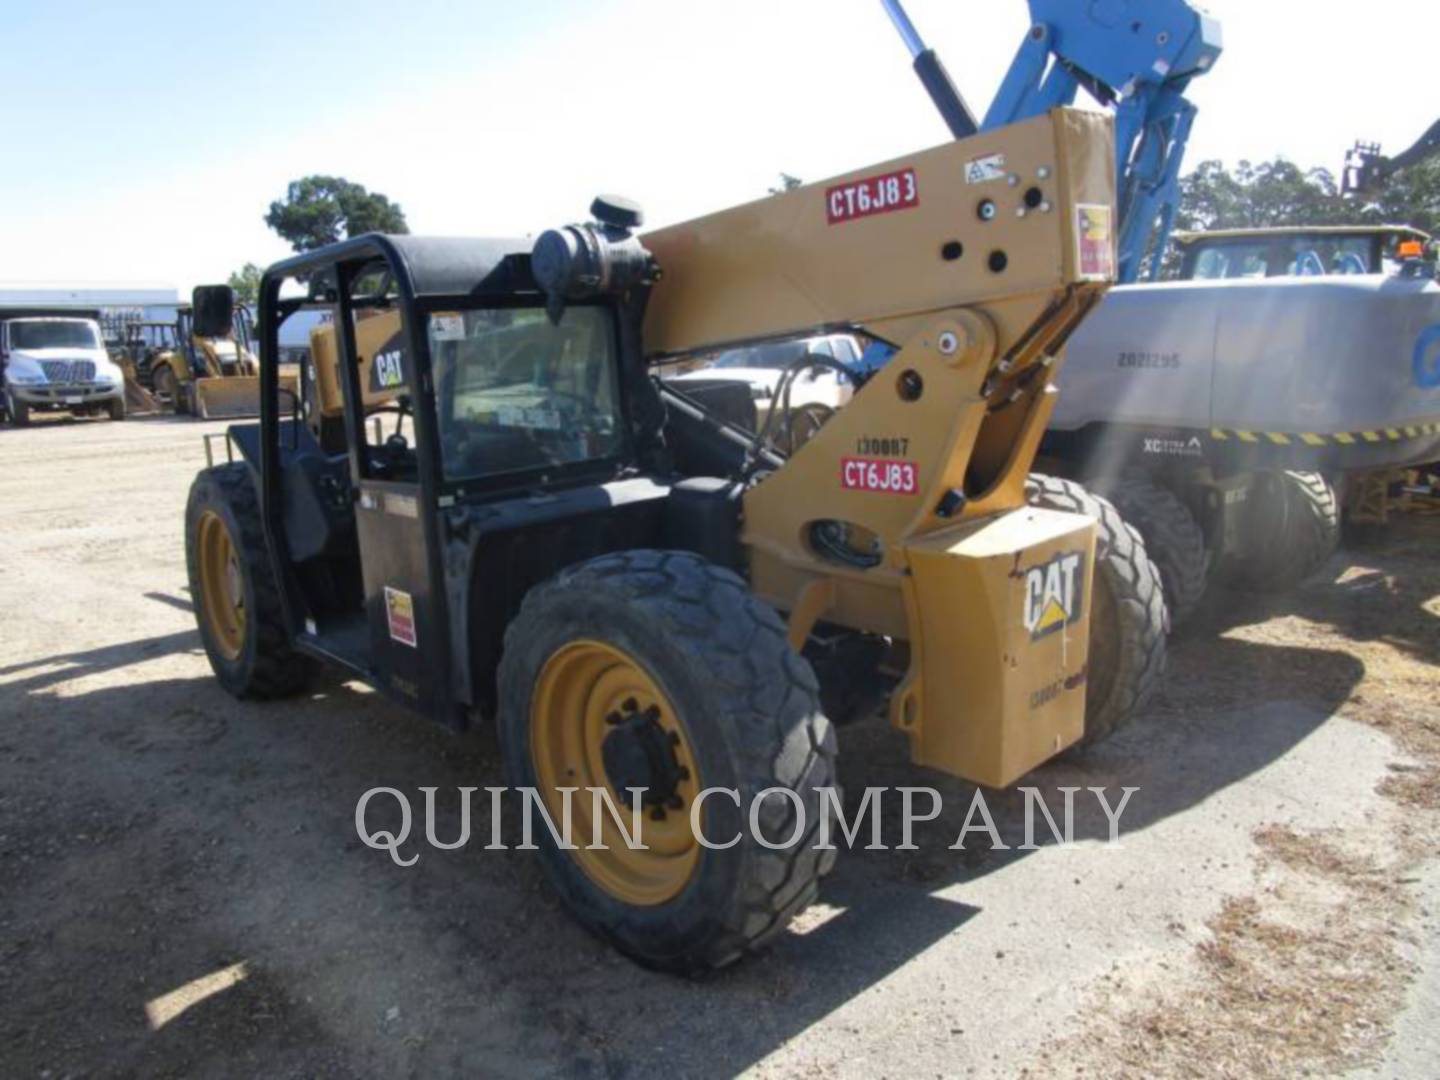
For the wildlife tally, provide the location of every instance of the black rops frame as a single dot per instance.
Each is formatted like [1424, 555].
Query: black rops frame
[346, 259]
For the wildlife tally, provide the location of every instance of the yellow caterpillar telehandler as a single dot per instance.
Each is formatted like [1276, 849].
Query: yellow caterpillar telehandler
[490, 510]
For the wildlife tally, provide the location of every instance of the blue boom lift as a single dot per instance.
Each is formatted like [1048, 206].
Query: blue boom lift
[1138, 56]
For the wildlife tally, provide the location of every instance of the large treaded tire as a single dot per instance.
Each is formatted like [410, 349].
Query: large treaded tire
[1128, 622]
[267, 666]
[1291, 529]
[19, 413]
[1173, 539]
[752, 708]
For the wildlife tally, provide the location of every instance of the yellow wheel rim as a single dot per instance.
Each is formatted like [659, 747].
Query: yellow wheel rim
[222, 585]
[588, 693]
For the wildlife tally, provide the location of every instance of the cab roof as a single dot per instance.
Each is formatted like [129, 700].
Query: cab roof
[432, 266]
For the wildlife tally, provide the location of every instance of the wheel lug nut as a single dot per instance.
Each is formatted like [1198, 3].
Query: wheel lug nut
[658, 814]
[675, 802]
[630, 705]
[613, 719]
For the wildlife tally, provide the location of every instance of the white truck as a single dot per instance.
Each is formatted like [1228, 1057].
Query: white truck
[56, 361]
[802, 406]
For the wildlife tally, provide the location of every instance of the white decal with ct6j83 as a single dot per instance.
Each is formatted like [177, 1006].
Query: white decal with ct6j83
[879, 474]
[872, 195]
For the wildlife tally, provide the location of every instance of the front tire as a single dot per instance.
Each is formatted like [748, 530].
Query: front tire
[1128, 622]
[19, 413]
[233, 588]
[116, 408]
[664, 659]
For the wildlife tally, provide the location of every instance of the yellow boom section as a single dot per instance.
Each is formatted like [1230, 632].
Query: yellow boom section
[905, 514]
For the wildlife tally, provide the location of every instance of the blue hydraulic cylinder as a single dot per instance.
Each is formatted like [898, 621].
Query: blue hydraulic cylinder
[1139, 56]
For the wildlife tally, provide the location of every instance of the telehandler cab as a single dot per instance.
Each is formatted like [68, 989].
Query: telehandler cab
[550, 538]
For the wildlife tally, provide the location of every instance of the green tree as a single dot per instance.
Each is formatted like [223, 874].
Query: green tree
[246, 283]
[1271, 193]
[1277, 193]
[787, 183]
[319, 210]
[1412, 197]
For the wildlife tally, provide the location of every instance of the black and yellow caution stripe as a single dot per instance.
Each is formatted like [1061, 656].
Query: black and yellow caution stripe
[1336, 438]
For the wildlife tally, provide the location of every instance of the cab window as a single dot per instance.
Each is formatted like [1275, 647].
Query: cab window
[516, 392]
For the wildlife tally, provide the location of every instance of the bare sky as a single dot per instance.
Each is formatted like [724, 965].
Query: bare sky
[140, 148]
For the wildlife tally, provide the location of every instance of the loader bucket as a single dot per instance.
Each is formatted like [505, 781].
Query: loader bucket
[235, 396]
[226, 398]
[137, 398]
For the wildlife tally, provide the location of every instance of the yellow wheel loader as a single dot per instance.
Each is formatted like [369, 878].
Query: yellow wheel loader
[490, 510]
[150, 354]
[203, 363]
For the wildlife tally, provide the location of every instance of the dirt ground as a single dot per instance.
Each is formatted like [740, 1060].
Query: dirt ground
[182, 891]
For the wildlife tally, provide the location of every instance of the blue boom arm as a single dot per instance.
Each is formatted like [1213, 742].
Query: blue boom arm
[1136, 55]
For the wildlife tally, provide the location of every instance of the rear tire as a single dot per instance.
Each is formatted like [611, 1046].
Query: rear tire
[1173, 539]
[1290, 529]
[243, 632]
[749, 709]
[1128, 622]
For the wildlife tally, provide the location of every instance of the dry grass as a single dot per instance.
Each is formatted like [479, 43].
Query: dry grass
[1301, 981]
[1304, 975]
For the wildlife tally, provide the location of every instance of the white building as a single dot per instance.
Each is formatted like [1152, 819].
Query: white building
[117, 301]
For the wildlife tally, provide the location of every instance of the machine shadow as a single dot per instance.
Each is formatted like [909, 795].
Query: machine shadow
[49, 671]
[245, 849]
[1381, 594]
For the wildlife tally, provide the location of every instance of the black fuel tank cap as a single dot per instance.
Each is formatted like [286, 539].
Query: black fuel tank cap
[617, 211]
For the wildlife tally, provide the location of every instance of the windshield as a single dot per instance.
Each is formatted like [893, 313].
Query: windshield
[1276, 256]
[53, 334]
[515, 392]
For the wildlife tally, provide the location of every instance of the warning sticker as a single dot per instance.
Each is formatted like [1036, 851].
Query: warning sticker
[984, 169]
[400, 612]
[872, 195]
[447, 327]
[1096, 242]
[878, 474]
